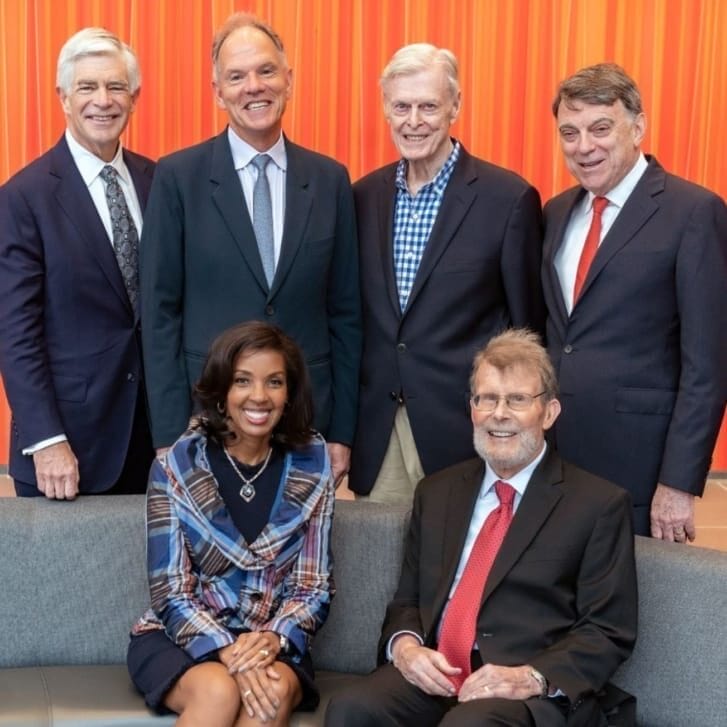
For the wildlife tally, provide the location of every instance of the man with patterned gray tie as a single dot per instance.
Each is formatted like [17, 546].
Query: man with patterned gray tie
[70, 347]
[249, 226]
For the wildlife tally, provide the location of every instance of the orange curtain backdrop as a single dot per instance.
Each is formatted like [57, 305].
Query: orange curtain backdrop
[512, 54]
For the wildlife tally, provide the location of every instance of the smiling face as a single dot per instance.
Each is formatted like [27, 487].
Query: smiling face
[256, 399]
[98, 104]
[510, 440]
[420, 108]
[600, 143]
[253, 84]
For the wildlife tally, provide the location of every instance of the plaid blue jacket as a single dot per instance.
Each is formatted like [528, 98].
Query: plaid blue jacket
[205, 579]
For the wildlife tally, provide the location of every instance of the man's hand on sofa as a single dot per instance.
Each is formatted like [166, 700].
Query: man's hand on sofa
[672, 514]
[56, 471]
[423, 667]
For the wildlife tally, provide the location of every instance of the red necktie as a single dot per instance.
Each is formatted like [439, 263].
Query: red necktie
[457, 635]
[591, 246]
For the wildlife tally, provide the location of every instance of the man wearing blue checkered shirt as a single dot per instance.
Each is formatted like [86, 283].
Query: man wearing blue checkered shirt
[450, 250]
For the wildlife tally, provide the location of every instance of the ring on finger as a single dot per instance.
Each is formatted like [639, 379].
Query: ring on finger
[247, 694]
[265, 653]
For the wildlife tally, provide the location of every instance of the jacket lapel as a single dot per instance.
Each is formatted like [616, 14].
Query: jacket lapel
[540, 497]
[228, 197]
[74, 198]
[298, 204]
[460, 504]
[458, 198]
[386, 197]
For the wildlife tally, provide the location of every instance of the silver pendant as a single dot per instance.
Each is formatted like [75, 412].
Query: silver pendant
[247, 492]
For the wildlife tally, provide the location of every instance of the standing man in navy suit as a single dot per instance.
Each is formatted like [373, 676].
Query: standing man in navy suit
[70, 348]
[450, 255]
[209, 260]
[635, 280]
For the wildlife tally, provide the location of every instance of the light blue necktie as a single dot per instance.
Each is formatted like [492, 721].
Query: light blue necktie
[262, 217]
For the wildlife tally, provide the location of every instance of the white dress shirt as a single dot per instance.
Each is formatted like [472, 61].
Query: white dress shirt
[569, 253]
[242, 156]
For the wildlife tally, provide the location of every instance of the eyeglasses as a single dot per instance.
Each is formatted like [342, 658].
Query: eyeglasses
[514, 402]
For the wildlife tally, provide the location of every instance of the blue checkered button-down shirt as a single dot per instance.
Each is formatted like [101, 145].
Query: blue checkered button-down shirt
[413, 221]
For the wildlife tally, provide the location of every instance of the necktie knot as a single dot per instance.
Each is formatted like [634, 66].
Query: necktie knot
[108, 173]
[505, 493]
[599, 204]
[261, 161]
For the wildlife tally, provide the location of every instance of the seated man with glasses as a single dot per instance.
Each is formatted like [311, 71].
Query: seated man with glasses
[517, 598]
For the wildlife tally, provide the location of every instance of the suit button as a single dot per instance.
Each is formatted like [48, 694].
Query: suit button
[394, 396]
[269, 310]
[130, 377]
[567, 348]
[401, 347]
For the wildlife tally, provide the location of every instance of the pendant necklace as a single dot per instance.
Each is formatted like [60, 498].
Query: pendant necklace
[247, 491]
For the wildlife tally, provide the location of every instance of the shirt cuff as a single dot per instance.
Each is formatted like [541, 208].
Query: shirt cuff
[45, 443]
[389, 657]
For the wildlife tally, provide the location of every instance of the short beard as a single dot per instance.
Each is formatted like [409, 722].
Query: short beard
[527, 451]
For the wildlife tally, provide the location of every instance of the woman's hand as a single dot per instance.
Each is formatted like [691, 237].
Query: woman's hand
[258, 692]
[252, 650]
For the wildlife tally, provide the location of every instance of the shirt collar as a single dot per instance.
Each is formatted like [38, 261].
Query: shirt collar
[243, 153]
[90, 166]
[519, 481]
[439, 183]
[620, 193]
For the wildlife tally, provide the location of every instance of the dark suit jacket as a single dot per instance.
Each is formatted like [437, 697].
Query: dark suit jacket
[561, 595]
[69, 344]
[642, 359]
[479, 274]
[201, 273]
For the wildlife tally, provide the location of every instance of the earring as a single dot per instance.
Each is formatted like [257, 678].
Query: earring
[220, 408]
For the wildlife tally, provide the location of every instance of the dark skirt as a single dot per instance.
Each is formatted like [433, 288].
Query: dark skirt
[155, 664]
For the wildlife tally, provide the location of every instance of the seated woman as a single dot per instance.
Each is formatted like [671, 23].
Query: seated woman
[238, 522]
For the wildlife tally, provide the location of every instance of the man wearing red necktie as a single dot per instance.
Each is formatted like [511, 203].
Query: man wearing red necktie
[635, 280]
[517, 598]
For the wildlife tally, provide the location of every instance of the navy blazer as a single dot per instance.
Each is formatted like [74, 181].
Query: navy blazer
[642, 359]
[69, 350]
[201, 273]
[479, 274]
[561, 594]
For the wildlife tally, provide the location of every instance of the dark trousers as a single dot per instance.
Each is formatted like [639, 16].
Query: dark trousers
[385, 699]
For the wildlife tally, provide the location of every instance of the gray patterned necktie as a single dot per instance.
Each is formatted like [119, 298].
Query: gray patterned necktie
[125, 237]
[262, 217]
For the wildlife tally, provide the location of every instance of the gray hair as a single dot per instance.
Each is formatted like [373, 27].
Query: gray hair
[243, 20]
[518, 347]
[419, 57]
[600, 85]
[95, 42]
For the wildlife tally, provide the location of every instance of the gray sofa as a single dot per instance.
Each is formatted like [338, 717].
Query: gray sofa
[72, 580]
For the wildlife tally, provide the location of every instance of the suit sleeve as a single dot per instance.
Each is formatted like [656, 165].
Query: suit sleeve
[701, 289]
[344, 317]
[403, 613]
[162, 296]
[23, 356]
[604, 631]
[521, 258]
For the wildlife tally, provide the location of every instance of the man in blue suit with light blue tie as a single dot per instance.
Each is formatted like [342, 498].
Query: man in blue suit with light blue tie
[70, 347]
[249, 226]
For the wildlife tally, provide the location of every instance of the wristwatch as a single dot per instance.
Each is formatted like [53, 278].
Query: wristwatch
[542, 682]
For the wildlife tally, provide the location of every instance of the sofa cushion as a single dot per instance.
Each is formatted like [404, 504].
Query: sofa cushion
[678, 669]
